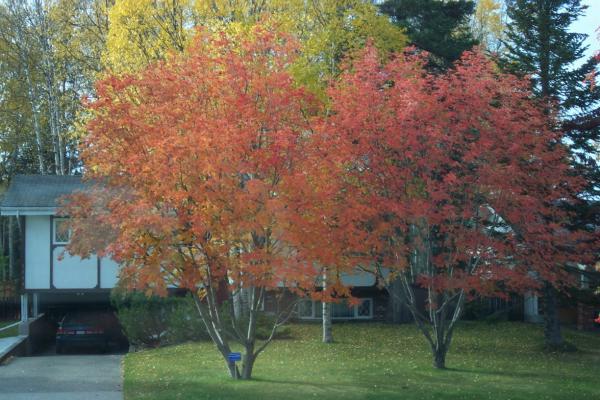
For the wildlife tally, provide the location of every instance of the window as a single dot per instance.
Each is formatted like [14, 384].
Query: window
[62, 231]
[305, 309]
[309, 309]
[341, 310]
[365, 309]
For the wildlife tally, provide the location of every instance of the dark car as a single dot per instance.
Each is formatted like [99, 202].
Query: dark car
[86, 329]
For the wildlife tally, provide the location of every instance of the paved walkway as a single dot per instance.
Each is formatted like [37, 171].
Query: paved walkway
[68, 377]
[9, 343]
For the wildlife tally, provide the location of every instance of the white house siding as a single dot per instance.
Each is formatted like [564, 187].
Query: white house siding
[73, 272]
[109, 273]
[37, 252]
[531, 309]
[68, 272]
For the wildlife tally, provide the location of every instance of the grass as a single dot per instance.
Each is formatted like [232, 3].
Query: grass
[14, 331]
[376, 361]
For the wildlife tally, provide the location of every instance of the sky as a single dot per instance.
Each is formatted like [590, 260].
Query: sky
[588, 24]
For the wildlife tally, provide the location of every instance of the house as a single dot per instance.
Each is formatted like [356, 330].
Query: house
[51, 276]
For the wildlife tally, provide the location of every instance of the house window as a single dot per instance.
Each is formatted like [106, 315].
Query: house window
[341, 310]
[305, 309]
[62, 231]
[365, 309]
[309, 309]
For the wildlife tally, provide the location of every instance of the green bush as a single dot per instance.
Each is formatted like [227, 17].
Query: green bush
[184, 323]
[159, 321]
[264, 324]
[156, 321]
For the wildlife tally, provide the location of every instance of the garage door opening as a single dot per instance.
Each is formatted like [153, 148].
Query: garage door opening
[76, 323]
[96, 331]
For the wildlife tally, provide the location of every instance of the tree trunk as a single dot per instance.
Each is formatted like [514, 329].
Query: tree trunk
[49, 68]
[34, 113]
[233, 371]
[208, 315]
[552, 333]
[253, 301]
[248, 363]
[326, 313]
[395, 303]
[327, 327]
[439, 356]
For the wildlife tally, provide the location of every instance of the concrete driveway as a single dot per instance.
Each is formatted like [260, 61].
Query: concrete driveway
[64, 377]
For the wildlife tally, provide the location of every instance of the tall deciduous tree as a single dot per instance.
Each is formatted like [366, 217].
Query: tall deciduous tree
[51, 56]
[145, 31]
[540, 44]
[489, 23]
[450, 184]
[20, 103]
[199, 159]
[142, 32]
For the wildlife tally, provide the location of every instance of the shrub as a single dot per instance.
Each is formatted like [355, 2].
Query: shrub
[264, 324]
[184, 323]
[156, 321]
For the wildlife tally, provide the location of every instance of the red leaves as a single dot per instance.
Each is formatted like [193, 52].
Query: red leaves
[427, 154]
[219, 168]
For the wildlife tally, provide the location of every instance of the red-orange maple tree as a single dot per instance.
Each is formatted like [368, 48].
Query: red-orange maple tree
[451, 183]
[198, 158]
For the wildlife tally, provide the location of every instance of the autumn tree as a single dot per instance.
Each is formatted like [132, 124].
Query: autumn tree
[142, 32]
[50, 53]
[488, 24]
[197, 158]
[450, 185]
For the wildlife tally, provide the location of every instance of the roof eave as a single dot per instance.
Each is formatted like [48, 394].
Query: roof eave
[18, 211]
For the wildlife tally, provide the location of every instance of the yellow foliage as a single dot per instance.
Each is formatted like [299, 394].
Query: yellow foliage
[488, 23]
[143, 31]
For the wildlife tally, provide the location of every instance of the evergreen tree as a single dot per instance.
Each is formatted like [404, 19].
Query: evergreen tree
[440, 27]
[540, 44]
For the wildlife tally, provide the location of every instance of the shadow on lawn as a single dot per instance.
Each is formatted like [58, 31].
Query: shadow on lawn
[301, 383]
[233, 390]
[521, 375]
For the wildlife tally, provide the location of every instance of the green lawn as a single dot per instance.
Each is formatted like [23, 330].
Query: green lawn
[376, 361]
[14, 331]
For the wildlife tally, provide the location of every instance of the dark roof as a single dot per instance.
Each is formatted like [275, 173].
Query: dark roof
[40, 190]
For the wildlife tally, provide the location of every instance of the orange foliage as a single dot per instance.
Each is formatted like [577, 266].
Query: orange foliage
[216, 171]
[198, 158]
